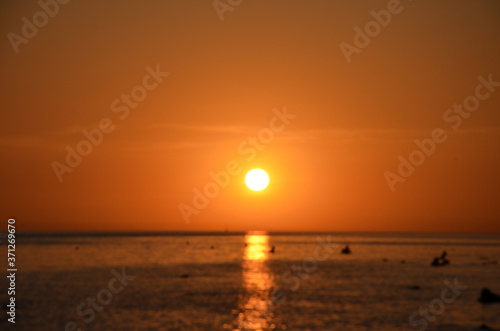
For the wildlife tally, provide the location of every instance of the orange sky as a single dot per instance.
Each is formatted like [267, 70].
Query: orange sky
[206, 85]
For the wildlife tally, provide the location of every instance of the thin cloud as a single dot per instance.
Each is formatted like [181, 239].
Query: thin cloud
[376, 135]
[204, 128]
[23, 141]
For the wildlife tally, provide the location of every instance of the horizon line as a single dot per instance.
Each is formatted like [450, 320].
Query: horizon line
[48, 233]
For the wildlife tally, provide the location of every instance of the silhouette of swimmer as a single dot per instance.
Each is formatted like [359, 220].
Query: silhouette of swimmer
[488, 297]
[346, 250]
[272, 250]
[440, 261]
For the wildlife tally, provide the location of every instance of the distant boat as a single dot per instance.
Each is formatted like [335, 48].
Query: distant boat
[272, 250]
[346, 250]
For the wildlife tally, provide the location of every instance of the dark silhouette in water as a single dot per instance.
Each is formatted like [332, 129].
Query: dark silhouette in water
[488, 297]
[184, 276]
[440, 261]
[437, 262]
[346, 250]
[272, 250]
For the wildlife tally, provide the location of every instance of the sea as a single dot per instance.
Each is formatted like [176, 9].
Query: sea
[251, 281]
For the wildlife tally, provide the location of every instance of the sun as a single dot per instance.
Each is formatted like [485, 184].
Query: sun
[257, 179]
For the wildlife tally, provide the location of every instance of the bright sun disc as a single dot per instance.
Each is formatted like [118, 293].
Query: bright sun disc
[257, 179]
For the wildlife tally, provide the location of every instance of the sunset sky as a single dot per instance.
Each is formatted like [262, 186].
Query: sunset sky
[208, 85]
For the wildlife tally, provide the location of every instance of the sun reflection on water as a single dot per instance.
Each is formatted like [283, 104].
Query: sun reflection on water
[256, 309]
